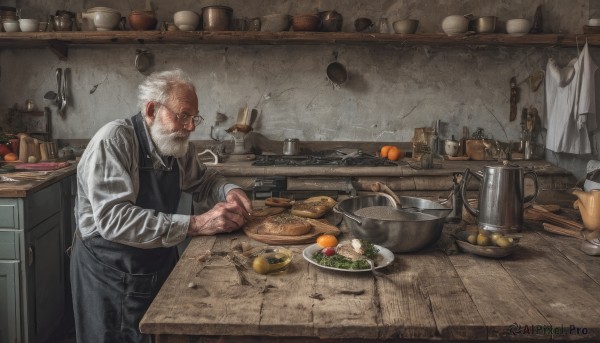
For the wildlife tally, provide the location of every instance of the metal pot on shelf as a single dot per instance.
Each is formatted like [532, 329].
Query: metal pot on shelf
[290, 146]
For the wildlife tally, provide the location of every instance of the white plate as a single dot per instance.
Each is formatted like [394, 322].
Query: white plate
[387, 257]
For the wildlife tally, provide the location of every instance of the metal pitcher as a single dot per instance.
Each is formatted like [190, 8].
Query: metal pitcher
[501, 197]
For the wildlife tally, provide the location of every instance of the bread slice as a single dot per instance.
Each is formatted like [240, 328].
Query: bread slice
[309, 209]
[285, 224]
[266, 211]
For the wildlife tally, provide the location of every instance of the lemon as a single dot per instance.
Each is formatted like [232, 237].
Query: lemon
[483, 239]
[261, 265]
[472, 239]
[503, 242]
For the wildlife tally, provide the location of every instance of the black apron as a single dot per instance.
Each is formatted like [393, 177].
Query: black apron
[113, 284]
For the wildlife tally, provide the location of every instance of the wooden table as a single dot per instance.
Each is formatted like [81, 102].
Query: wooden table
[548, 289]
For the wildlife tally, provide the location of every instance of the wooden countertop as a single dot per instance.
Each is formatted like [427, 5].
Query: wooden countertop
[31, 181]
[548, 289]
[406, 167]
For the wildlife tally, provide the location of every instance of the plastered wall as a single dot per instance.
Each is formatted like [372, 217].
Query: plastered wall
[390, 91]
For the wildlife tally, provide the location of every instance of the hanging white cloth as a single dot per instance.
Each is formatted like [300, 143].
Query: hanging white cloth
[571, 104]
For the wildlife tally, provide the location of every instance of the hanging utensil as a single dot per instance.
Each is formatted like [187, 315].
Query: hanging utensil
[337, 74]
[143, 60]
[64, 92]
[514, 98]
[59, 84]
[535, 79]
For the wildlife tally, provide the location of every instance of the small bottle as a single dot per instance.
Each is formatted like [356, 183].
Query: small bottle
[528, 150]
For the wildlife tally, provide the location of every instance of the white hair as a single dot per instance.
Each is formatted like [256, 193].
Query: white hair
[157, 86]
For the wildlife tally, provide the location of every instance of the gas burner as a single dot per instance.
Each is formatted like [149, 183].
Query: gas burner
[324, 158]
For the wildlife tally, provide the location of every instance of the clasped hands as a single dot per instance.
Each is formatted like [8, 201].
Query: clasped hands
[225, 216]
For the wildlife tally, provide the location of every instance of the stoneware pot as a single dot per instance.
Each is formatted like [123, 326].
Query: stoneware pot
[517, 27]
[455, 24]
[363, 24]
[451, 147]
[331, 21]
[104, 18]
[406, 26]
[29, 25]
[275, 22]
[186, 20]
[306, 22]
[142, 20]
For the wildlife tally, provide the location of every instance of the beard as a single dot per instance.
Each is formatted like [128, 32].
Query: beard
[169, 143]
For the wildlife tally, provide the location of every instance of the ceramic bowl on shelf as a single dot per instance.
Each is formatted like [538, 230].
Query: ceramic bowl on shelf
[306, 22]
[275, 22]
[455, 24]
[29, 25]
[594, 22]
[186, 20]
[406, 26]
[142, 20]
[517, 27]
[11, 26]
[104, 18]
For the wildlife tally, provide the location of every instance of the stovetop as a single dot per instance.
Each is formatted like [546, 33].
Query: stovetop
[324, 158]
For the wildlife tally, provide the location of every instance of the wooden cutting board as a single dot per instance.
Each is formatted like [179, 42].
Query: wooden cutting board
[319, 227]
[41, 166]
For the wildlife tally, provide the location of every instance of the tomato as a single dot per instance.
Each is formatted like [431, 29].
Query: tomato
[4, 149]
[325, 241]
[329, 251]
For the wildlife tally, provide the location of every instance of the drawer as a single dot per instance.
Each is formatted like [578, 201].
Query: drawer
[9, 214]
[41, 205]
[9, 245]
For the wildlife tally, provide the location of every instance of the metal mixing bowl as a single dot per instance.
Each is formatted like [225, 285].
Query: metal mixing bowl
[413, 231]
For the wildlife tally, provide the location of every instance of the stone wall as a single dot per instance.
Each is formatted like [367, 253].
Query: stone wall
[390, 91]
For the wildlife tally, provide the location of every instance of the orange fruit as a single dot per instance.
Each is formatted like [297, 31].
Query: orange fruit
[395, 154]
[10, 157]
[325, 241]
[383, 153]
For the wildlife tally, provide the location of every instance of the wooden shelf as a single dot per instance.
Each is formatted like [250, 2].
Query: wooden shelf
[60, 39]
[59, 42]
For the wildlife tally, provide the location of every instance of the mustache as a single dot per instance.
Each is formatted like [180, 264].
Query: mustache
[177, 135]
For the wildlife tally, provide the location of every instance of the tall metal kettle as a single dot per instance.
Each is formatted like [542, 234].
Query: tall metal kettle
[501, 197]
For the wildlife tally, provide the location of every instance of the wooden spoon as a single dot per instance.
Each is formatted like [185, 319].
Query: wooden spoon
[383, 188]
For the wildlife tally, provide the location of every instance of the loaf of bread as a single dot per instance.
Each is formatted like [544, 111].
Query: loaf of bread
[285, 224]
[278, 202]
[309, 209]
[266, 211]
[326, 201]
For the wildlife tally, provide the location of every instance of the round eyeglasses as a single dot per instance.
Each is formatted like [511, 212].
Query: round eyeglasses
[184, 117]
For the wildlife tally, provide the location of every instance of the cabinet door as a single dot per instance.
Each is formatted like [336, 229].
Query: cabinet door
[45, 278]
[10, 315]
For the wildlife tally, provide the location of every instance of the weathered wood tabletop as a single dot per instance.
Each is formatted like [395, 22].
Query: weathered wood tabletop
[547, 290]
